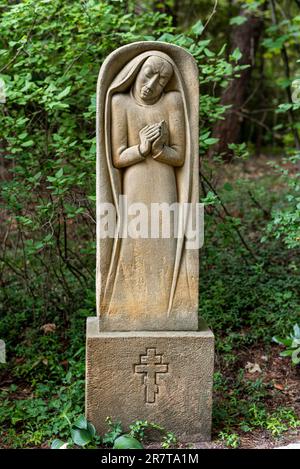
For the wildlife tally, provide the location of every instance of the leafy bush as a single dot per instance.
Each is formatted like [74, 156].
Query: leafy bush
[50, 56]
[285, 222]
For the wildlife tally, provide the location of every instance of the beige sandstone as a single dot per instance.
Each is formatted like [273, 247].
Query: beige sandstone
[147, 357]
[163, 377]
[147, 151]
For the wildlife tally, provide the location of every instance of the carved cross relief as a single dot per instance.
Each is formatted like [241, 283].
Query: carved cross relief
[151, 365]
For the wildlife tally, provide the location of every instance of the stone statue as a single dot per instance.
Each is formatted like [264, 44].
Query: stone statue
[145, 348]
[147, 284]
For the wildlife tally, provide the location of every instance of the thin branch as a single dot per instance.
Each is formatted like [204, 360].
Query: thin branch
[258, 205]
[214, 11]
[21, 48]
[244, 242]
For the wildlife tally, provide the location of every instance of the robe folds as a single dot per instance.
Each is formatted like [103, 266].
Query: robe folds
[145, 284]
[145, 267]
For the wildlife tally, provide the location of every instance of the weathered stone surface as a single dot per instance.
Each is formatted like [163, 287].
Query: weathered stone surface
[164, 377]
[147, 151]
[147, 357]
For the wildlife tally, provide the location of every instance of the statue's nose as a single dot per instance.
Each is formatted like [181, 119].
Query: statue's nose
[152, 81]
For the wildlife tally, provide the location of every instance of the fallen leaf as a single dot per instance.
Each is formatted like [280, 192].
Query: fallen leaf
[64, 363]
[48, 328]
[253, 367]
[279, 386]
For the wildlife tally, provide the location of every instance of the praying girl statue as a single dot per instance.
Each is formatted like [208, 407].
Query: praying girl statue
[147, 156]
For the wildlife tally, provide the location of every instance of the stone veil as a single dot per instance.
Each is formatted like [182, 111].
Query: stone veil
[159, 292]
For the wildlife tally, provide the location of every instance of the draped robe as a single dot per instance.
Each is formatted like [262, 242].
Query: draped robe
[146, 284]
[145, 266]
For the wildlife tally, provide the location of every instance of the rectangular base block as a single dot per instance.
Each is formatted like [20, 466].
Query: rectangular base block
[163, 377]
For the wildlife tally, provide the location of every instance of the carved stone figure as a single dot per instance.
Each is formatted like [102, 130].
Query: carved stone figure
[145, 349]
[146, 155]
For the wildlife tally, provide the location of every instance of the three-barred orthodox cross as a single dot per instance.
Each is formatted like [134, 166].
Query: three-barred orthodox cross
[151, 365]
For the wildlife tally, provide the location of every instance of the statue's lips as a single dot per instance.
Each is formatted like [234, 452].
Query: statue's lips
[146, 92]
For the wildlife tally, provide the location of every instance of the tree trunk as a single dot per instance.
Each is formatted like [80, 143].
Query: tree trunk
[246, 38]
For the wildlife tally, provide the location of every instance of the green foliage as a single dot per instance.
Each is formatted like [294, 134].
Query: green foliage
[285, 222]
[231, 439]
[50, 58]
[127, 442]
[140, 427]
[50, 54]
[249, 290]
[58, 444]
[292, 344]
[82, 433]
[115, 430]
[240, 150]
[239, 405]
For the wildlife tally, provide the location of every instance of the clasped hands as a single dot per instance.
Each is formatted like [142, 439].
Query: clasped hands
[153, 138]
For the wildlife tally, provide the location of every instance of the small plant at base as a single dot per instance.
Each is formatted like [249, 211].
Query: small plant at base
[169, 440]
[115, 430]
[230, 439]
[292, 344]
[117, 439]
[82, 433]
[127, 442]
[138, 429]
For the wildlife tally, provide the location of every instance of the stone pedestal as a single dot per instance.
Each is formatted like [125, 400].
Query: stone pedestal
[160, 376]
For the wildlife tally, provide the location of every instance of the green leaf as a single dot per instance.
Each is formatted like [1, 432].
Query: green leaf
[81, 437]
[236, 55]
[197, 28]
[296, 358]
[91, 429]
[63, 93]
[210, 199]
[208, 52]
[28, 143]
[284, 107]
[127, 442]
[221, 52]
[59, 173]
[297, 331]
[81, 423]
[276, 44]
[287, 353]
[228, 187]
[57, 444]
[238, 20]
[280, 341]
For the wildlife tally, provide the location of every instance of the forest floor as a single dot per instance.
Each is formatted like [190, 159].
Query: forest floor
[276, 374]
[256, 391]
[283, 384]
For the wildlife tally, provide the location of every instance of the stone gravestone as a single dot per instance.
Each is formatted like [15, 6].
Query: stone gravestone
[147, 357]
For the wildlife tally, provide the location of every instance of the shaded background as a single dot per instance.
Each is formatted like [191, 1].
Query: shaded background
[248, 58]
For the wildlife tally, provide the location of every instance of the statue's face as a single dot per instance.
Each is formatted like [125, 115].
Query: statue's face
[152, 78]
